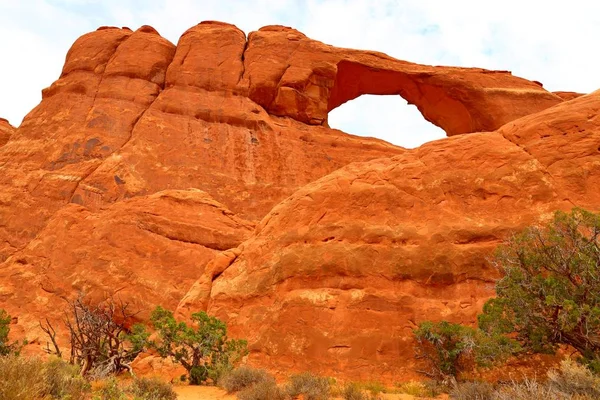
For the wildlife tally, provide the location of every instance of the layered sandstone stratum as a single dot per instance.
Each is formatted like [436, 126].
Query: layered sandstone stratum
[205, 176]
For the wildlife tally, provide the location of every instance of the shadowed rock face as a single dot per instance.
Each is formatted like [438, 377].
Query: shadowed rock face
[147, 166]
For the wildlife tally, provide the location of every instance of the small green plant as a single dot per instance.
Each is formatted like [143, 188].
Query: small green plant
[151, 389]
[310, 386]
[243, 377]
[203, 349]
[6, 347]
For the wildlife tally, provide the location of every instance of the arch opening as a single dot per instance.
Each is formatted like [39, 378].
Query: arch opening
[386, 117]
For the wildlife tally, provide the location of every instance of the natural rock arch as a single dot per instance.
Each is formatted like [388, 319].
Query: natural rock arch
[435, 102]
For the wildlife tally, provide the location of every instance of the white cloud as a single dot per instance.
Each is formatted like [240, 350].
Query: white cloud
[552, 42]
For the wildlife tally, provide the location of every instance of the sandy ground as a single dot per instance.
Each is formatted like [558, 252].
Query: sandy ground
[201, 393]
[213, 393]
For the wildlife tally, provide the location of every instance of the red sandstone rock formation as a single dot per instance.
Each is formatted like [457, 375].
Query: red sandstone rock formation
[339, 273]
[6, 131]
[123, 178]
[146, 251]
[292, 75]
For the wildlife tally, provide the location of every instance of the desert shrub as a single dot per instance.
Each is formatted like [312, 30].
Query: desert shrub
[449, 349]
[353, 391]
[548, 294]
[4, 331]
[6, 347]
[419, 389]
[64, 381]
[312, 387]
[110, 390]
[203, 349]
[472, 390]
[571, 381]
[30, 378]
[528, 389]
[445, 348]
[574, 379]
[151, 389]
[102, 340]
[21, 378]
[242, 377]
[373, 387]
[263, 390]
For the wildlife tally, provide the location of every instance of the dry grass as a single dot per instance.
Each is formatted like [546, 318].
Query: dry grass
[472, 391]
[151, 389]
[242, 378]
[575, 380]
[311, 387]
[110, 389]
[262, 391]
[419, 389]
[570, 382]
[30, 378]
[354, 391]
[21, 378]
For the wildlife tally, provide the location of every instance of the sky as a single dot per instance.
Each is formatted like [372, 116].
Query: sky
[554, 42]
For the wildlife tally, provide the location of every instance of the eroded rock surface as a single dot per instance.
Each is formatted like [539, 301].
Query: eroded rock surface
[145, 251]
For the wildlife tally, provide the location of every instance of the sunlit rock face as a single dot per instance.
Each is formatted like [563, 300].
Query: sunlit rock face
[203, 175]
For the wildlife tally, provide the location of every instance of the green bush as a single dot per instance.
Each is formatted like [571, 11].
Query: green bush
[548, 295]
[151, 389]
[242, 378]
[446, 348]
[203, 349]
[263, 390]
[449, 349]
[312, 387]
[6, 347]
